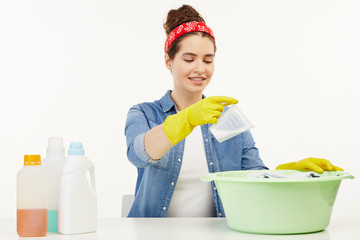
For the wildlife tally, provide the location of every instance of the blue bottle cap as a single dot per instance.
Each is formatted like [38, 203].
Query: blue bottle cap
[76, 148]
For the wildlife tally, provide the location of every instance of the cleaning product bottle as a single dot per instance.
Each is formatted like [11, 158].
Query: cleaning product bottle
[32, 195]
[77, 202]
[53, 163]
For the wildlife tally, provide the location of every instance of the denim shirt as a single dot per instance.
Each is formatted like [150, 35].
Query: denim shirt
[156, 180]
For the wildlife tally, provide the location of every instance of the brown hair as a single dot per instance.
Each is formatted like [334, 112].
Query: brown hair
[176, 17]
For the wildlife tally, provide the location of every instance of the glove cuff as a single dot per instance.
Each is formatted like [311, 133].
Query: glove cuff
[177, 127]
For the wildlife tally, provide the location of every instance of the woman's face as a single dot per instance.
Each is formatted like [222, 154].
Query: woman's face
[193, 65]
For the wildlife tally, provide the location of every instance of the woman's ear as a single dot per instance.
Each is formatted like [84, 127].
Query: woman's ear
[168, 61]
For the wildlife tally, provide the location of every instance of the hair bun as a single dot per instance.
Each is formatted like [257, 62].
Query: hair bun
[184, 14]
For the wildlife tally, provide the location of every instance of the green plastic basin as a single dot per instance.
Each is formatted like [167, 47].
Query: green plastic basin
[277, 205]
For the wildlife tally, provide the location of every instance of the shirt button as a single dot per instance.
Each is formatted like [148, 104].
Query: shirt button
[211, 163]
[172, 183]
[214, 188]
[206, 140]
[179, 159]
[164, 208]
[220, 214]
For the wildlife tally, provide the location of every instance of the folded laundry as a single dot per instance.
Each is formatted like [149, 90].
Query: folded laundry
[278, 175]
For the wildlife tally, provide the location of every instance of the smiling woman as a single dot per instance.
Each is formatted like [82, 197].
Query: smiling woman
[169, 141]
[170, 168]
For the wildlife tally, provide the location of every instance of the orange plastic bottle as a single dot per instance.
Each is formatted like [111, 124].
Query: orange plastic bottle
[32, 198]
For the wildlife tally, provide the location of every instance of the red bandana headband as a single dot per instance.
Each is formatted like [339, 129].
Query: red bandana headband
[186, 28]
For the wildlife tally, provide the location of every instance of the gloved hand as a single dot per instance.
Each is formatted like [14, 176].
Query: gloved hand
[318, 165]
[208, 110]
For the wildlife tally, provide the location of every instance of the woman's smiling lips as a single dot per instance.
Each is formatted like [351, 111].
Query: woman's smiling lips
[197, 80]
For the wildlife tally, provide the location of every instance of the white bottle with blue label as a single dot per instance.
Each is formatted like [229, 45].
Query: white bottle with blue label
[77, 198]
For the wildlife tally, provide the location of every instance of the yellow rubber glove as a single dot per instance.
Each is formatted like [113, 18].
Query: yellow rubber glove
[208, 110]
[318, 165]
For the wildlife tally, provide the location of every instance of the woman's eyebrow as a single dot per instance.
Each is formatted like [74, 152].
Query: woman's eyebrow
[193, 54]
[189, 53]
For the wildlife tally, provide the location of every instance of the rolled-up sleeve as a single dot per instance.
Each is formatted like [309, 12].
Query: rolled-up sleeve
[135, 129]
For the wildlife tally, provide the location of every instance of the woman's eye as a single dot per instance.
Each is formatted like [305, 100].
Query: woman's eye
[188, 60]
[208, 61]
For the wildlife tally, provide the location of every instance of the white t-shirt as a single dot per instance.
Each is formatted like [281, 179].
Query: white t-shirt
[192, 197]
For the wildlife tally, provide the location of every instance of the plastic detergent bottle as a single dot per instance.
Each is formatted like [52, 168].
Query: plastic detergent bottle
[53, 164]
[77, 202]
[32, 196]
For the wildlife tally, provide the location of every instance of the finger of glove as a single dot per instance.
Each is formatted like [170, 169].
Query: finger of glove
[208, 116]
[211, 117]
[212, 120]
[323, 163]
[334, 168]
[215, 113]
[215, 107]
[307, 165]
[329, 166]
[225, 101]
[205, 105]
[338, 168]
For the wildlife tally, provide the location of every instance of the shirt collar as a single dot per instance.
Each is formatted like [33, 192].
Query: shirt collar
[166, 102]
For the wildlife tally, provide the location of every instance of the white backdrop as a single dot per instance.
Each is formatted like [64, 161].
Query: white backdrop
[73, 69]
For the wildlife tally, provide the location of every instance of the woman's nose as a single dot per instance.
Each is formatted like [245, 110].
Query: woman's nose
[200, 67]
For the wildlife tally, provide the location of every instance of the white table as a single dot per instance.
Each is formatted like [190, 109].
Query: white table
[184, 229]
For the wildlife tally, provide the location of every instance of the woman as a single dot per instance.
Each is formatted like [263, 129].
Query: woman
[170, 168]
